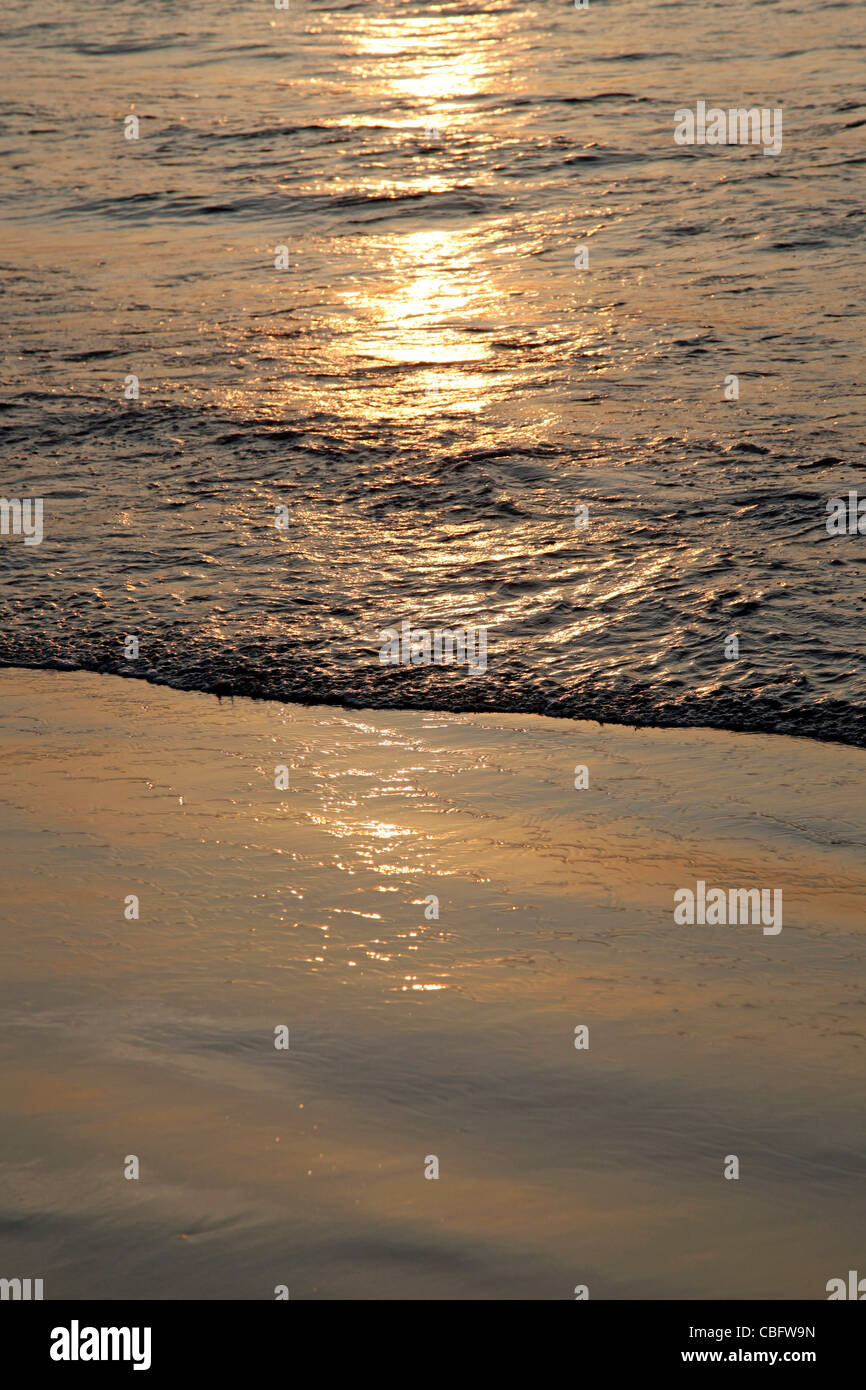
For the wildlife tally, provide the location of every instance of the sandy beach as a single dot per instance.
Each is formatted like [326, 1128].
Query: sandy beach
[412, 1036]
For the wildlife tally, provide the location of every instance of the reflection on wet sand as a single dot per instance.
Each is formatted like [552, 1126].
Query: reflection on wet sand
[431, 909]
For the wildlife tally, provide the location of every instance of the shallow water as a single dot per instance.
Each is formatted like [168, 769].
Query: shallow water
[413, 1036]
[432, 386]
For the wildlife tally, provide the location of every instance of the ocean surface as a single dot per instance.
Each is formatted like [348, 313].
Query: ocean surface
[431, 387]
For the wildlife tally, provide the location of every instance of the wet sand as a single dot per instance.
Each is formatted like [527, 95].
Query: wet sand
[412, 1037]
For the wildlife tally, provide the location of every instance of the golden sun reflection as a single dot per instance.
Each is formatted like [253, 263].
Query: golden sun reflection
[435, 291]
[425, 298]
[451, 51]
[401, 310]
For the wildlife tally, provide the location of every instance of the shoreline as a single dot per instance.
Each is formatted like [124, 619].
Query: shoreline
[224, 691]
[412, 1036]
